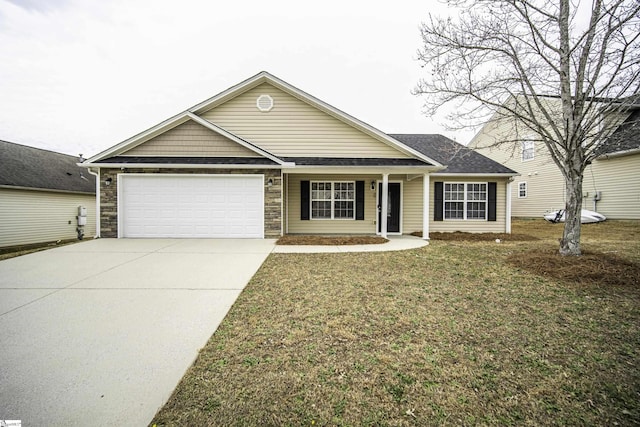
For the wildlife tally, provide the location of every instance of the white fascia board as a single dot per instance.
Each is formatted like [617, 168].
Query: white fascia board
[142, 137]
[217, 129]
[619, 154]
[46, 190]
[361, 170]
[180, 165]
[477, 175]
[265, 77]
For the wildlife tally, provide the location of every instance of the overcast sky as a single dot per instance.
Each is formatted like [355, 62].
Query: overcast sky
[78, 76]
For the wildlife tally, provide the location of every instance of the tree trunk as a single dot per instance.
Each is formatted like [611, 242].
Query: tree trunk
[570, 243]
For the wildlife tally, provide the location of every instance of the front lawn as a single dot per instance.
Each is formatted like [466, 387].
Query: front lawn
[455, 333]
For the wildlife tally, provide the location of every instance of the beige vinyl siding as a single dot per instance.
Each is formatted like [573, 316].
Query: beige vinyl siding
[294, 128]
[28, 216]
[545, 184]
[618, 178]
[191, 139]
[470, 226]
[324, 226]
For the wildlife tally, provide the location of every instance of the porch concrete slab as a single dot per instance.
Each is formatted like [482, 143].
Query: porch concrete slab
[108, 345]
[395, 243]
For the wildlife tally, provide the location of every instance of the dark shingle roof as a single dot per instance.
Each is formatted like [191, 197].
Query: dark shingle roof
[353, 161]
[30, 167]
[626, 137]
[261, 161]
[458, 158]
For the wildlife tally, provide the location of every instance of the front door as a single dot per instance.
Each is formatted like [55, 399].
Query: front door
[393, 208]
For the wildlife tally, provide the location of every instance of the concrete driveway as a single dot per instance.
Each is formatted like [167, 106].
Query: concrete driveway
[101, 332]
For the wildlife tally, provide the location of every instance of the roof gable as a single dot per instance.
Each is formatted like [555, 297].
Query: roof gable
[30, 167]
[205, 114]
[169, 124]
[190, 139]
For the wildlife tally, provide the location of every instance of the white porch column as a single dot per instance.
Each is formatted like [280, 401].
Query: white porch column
[425, 206]
[507, 227]
[384, 206]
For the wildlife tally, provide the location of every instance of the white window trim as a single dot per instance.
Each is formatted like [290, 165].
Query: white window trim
[332, 200]
[526, 190]
[464, 218]
[532, 148]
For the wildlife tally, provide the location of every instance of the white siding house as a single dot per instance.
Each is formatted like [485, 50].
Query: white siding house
[40, 192]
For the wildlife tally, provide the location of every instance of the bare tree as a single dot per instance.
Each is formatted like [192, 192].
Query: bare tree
[564, 71]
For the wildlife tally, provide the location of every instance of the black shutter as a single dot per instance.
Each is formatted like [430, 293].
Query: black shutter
[491, 208]
[360, 200]
[438, 201]
[304, 200]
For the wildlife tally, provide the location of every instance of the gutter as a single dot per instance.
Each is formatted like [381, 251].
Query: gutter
[619, 154]
[51, 190]
[184, 165]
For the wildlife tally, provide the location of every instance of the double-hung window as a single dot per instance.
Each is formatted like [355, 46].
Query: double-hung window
[465, 200]
[333, 200]
[522, 190]
[528, 150]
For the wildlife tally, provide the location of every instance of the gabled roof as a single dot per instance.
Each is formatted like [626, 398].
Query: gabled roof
[169, 124]
[265, 77]
[29, 167]
[626, 138]
[194, 113]
[458, 158]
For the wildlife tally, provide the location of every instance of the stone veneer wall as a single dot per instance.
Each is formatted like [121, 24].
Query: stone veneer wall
[272, 196]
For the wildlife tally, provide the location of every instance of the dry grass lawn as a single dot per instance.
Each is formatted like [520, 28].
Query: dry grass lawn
[457, 333]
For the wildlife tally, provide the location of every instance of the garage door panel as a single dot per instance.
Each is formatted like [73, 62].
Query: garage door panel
[207, 206]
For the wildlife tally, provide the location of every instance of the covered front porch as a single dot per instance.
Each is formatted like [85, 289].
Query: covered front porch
[330, 202]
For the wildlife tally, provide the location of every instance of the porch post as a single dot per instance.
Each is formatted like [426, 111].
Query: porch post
[425, 206]
[507, 227]
[384, 205]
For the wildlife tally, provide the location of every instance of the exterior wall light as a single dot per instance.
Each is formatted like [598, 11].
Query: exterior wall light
[373, 186]
[270, 183]
[108, 181]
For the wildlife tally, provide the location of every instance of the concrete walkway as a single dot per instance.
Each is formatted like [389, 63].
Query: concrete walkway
[395, 243]
[101, 332]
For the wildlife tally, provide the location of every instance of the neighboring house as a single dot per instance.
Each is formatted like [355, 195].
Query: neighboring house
[263, 159]
[40, 192]
[611, 183]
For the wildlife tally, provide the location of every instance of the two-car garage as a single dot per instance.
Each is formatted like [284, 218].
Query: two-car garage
[190, 206]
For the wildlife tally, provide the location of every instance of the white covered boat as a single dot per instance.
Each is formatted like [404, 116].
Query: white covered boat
[587, 217]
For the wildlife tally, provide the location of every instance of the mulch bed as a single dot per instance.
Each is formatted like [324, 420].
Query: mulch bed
[589, 268]
[331, 240]
[477, 237]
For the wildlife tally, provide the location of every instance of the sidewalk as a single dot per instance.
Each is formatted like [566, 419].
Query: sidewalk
[395, 243]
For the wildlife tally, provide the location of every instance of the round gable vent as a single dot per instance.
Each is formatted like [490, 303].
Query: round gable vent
[264, 103]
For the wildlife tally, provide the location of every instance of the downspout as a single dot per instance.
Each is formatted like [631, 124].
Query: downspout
[97, 175]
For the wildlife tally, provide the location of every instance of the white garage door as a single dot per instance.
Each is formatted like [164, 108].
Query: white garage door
[191, 206]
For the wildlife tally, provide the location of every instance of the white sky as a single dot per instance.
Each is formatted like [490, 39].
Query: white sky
[78, 76]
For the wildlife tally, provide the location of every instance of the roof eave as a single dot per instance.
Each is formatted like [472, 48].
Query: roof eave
[479, 175]
[619, 154]
[359, 170]
[183, 166]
